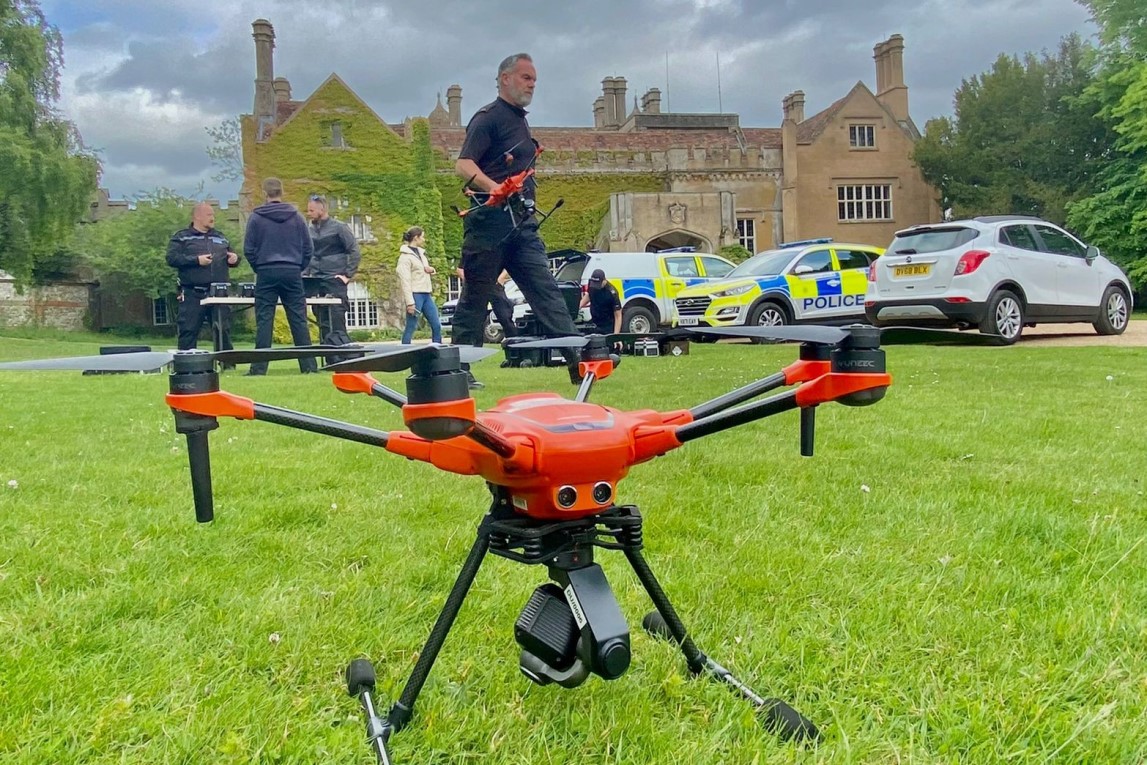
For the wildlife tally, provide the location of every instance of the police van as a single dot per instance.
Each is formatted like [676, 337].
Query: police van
[814, 280]
[647, 282]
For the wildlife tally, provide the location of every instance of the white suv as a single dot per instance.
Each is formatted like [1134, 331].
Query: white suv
[999, 273]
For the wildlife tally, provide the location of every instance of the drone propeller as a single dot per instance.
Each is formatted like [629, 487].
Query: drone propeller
[557, 343]
[145, 361]
[396, 358]
[580, 341]
[835, 335]
[116, 362]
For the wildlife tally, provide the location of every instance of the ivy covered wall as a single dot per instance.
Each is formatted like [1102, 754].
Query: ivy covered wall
[382, 177]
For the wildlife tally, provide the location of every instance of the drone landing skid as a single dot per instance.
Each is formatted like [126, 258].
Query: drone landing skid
[569, 630]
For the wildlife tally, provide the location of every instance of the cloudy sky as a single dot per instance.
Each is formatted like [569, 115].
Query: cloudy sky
[143, 80]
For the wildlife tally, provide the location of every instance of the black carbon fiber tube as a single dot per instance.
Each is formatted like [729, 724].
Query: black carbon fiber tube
[732, 398]
[693, 655]
[321, 425]
[719, 421]
[199, 458]
[402, 710]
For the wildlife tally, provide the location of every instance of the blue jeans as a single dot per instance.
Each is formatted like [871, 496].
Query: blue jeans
[424, 304]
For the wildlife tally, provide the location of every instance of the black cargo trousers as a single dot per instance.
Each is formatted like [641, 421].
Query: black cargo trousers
[490, 244]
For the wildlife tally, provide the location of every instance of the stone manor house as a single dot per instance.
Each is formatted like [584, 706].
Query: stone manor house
[661, 179]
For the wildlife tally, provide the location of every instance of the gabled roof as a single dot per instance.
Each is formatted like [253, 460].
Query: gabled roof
[809, 130]
[332, 79]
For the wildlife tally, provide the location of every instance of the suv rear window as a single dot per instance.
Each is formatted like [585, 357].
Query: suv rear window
[931, 240]
[572, 271]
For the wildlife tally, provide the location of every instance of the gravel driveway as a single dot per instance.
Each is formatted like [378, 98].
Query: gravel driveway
[1083, 334]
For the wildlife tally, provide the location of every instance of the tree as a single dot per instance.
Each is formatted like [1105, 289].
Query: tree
[1022, 140]
[1122, 24]
[226, 150]
[1114, 216]
[128, 250]
[48, 176]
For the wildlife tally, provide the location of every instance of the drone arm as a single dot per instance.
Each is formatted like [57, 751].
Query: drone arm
[465, 456]
[361, 382]
[723, 420]
[321, 425]
[223, 404]
[804, 370]
[740, 395]
[851, 388]
[492, 440]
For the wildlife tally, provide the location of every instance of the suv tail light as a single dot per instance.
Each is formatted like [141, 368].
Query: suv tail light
[970, 261]
[872, 271]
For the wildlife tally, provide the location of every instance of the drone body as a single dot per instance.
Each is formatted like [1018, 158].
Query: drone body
[568, 456]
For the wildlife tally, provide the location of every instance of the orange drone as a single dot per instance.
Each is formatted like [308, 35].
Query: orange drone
[553, 466]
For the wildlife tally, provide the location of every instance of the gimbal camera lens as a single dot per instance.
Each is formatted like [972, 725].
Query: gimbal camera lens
[602, 492]
[567, 496]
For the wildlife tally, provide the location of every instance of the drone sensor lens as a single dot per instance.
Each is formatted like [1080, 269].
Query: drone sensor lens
[567, 496]
[602, 492]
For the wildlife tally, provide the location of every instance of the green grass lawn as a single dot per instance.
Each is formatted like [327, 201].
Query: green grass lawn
[958, 575]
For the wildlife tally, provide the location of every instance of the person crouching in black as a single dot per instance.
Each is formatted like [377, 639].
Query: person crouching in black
[202, 255]
[604, 304]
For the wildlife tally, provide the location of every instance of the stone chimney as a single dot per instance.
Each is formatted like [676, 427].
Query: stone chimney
[651, 101]
[264, 111]
[890, 88]
[454, 104]
[282, 89]
[609, 96]
[599, 112]
[619, 88]
[793, 106]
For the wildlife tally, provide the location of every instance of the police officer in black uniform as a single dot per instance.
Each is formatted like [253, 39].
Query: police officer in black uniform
[498, 145]
[202, 255]
[604, 304]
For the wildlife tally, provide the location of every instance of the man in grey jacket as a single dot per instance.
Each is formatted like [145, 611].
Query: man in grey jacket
[334, 264]
[278, 247]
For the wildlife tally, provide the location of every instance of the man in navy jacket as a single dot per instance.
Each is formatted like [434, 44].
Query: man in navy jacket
[278, 247]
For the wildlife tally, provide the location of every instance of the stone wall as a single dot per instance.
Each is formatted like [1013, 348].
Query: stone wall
[60, 306]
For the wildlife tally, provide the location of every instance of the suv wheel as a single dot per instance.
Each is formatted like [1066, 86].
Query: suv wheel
[767, 315]
[1112, 312]
[638, 320]
[492, 333]
[1005, 316]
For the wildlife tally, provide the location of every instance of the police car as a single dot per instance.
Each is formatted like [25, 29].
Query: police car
[646, 282]
[814, 280]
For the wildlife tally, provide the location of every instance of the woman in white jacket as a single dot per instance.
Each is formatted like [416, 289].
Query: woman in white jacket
[414, 271]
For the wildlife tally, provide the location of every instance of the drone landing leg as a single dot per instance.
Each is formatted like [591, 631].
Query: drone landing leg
[779, 717]
[379, 731]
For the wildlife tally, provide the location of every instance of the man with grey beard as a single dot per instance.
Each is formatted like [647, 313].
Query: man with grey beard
[498, 145]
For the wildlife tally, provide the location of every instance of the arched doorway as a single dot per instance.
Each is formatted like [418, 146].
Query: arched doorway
[678, 238]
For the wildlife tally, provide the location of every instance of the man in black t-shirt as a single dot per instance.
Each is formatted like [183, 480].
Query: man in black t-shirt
[604, 304]
[498, 145]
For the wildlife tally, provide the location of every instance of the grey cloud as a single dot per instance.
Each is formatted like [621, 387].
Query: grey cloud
[397, 56]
